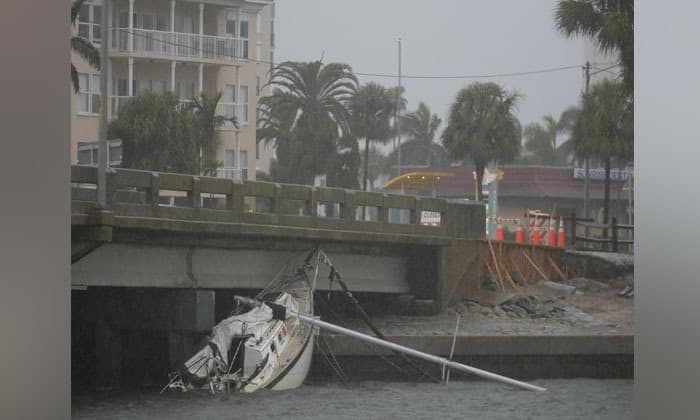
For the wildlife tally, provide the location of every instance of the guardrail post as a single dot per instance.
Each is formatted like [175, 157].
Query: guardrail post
[111, 187]
[154, 192]
[347, 209]
[276, 203]
[614, 234]
[196, 193]
[313, 203]
[383, 211]
[573, 230]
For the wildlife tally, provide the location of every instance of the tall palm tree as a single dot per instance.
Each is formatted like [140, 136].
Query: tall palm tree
[609, 22]
[82, 47]
[372, 108]
[481, 125]
[207, 121]
[604, 129]
[377, 164]
[420, 126]
[312, 99]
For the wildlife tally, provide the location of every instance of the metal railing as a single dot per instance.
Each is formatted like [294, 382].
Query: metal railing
[232, 109]
[238, 174]
[179, 44]
[602, 237]
[118, 101]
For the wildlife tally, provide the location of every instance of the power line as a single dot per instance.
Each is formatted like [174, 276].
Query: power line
[606, 69]
[475, 76]
[470, 76]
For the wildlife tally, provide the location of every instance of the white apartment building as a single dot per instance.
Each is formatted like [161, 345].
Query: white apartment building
[185, 47]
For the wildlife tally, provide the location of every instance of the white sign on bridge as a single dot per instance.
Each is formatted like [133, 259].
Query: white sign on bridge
[430, 218]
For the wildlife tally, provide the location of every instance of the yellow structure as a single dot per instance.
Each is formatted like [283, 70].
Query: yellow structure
[415, 181]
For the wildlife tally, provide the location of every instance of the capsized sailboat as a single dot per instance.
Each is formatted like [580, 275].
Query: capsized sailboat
[256, 346]
[268, 341]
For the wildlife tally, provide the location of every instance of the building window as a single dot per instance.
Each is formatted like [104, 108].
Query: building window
[243, 164]
[243, 103]
[230, 169]
[226, 105]
[87, 152]
[88, 94]
[272, 34]
[89, 21]
[184, 24]
[244, 35]
[231, 25]
[184, 90]
[257, 85]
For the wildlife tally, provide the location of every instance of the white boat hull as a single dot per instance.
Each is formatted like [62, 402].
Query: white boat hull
[296, 375]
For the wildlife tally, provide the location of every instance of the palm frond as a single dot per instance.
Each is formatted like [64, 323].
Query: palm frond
[74, 78]
[85, 49]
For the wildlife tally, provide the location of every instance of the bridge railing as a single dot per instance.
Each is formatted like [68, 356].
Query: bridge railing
[148, 194]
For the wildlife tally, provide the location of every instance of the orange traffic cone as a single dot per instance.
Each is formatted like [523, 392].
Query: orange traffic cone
[551, 237]
[561, 240]
[519, 233]
[535, 233]
[499, 229]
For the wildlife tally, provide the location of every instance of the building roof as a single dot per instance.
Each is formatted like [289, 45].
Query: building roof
[522, 181]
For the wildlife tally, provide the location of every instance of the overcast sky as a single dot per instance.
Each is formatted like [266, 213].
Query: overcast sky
[439, 37]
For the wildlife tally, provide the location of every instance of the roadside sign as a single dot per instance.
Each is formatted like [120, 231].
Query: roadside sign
[430, 218]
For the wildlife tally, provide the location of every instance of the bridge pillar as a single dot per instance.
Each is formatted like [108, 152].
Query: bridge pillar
[458, 271]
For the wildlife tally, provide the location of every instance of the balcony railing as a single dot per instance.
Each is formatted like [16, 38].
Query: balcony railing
[239, 174]
[228, 110]
[118, 101]
[180, 45]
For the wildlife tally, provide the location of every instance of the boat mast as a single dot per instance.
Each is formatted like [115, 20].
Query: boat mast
[419, 354]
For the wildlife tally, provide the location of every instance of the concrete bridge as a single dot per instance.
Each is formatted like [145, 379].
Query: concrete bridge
[154, 270]
[182, 231]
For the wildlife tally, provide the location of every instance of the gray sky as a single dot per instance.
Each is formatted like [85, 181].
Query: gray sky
[440, 37]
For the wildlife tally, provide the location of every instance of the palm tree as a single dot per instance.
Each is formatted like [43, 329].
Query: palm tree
[420, 126]
[481, 125]
[565, 125]
[309, 106]
[372, 108]
[609, 22]
[207, 121]
[377, 164]
[82, 47]
[541, 140]
[604, 129]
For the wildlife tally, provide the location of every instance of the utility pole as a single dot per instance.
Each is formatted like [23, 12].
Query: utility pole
[102, 143]
[398, 114]
[587, 164]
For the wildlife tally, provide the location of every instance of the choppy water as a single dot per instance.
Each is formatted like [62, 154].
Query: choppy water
[565, 399]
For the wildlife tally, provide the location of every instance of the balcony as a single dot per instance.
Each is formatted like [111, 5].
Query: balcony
[228, 110]
[117, 101]
[238, 174]
[179, 45]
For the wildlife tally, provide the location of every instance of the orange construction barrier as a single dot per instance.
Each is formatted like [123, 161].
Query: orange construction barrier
[499, 229]
[561, 239]
[551, 237]
[519, 232]
[536, 233]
